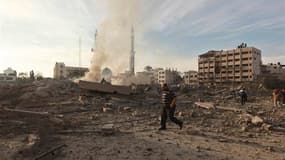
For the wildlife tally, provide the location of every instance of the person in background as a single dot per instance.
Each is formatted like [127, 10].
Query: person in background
[243, 96]
[283, 97]
[275, 95]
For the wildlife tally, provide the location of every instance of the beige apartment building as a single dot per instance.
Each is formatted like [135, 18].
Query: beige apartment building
[61, 71]
[190, 78]
[236, 65]
[168, 76]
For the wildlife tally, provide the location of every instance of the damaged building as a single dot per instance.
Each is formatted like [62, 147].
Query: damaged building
[61, 71]
[190, 78]
[237, 65]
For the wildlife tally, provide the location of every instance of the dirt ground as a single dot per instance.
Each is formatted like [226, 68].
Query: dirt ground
[107, 127]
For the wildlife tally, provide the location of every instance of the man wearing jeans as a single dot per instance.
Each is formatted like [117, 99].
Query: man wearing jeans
[168, 100]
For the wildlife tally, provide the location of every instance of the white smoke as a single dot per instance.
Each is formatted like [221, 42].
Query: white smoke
[114, 39]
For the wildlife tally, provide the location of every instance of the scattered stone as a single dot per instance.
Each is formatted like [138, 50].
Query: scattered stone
[127, 108]
[180, 114]
[266, 127]
[106, 109]
[269, 148]
[244, 129]
[256, 120]
[198, 148]
[31, 139]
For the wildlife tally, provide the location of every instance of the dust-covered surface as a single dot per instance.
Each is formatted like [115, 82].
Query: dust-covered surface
[100, 126]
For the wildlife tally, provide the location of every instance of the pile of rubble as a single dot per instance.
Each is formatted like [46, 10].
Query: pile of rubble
[57, 120]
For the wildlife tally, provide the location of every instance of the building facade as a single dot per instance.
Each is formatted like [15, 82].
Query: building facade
[236, 65]
[190, 78]
[9, 75]
[168, 76]
[61, 71]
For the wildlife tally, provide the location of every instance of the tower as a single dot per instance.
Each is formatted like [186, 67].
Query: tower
[93, 49]
[79, 52]
[132, 53]
[95, 41]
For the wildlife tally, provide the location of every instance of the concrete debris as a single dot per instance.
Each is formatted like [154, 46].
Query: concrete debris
[105, 88]
[266, 127]
[35, 117]
[32, 139]
[51, 151]
[206, 105]
[106, 109]
[127, 108]
[256, 120]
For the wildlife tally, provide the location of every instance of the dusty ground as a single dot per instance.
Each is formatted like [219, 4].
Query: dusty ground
[127, 126]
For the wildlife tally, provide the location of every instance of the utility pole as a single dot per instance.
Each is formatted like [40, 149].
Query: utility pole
[79, 51]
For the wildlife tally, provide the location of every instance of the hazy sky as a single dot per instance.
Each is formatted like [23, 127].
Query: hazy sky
[34, 34]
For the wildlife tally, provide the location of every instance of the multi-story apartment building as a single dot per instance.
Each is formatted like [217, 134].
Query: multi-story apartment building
[190, 78]
[61, 71]
[168, 76]
[236, 65]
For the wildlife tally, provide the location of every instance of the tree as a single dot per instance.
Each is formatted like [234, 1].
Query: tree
[39, 76]
[23, 75]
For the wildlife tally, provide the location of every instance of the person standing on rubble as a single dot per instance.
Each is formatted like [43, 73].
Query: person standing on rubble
[283, 96]
[168, 100]
[276, 94]
[243, 96]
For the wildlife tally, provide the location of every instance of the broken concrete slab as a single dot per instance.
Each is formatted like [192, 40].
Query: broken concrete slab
[206, 105]
[256, 120]
[105, 88]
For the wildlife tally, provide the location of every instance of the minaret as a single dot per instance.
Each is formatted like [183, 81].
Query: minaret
[132, 53]
[95, 41]
[79, 51]
[93, 49]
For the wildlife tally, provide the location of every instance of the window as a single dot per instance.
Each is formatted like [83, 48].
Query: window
[9, 78]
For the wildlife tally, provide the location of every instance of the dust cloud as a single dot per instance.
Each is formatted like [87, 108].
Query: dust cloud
[113, 41]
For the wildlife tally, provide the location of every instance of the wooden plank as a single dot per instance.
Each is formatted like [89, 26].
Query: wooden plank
[50, 151]
[24, 112]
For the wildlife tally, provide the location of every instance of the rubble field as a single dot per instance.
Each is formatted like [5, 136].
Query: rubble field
[50, 119]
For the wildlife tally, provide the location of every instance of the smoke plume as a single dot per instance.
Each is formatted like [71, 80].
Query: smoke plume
[113, 39]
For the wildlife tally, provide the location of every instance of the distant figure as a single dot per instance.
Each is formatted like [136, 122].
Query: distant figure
[168, 100]
[243, 96]
[275, 96]
[283, 96]
[32, 75]
[278, 98]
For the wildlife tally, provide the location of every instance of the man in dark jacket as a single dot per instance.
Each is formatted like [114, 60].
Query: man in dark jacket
[243, 96]
[168, 100]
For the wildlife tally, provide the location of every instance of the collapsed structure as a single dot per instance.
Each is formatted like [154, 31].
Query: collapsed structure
[61, 71]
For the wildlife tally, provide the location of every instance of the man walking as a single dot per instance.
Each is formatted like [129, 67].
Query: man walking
[243, 96]
[168, 100]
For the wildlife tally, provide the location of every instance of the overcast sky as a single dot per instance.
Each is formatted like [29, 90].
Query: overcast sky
[34, 34]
